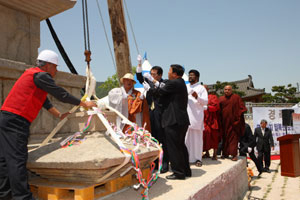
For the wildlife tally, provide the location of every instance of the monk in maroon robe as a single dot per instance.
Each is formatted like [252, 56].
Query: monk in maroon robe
[232, 122]
[211, 133]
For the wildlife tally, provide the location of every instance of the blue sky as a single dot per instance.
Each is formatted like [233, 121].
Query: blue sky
[225, 40]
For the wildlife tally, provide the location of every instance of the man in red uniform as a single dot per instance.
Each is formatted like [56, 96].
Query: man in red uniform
[232, 122]
[211, 134]
[20, 108]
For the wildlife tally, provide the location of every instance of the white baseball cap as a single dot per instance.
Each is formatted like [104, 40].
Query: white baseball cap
[48, 56]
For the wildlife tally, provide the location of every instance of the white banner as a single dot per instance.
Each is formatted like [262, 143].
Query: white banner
[274, 119]
[296, 122]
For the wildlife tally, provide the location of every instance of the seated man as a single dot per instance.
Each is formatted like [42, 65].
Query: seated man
[130, 103]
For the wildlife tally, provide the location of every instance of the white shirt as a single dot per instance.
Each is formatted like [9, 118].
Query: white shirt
[263, 131]
[196, 106]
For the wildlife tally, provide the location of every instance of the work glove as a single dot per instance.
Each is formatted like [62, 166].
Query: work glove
[156, 83]
[205, 107]
[146, 86]
[142, 96]
[139, 59]
[162, 84]
[139, 67]
[249, 149]
[148, 76]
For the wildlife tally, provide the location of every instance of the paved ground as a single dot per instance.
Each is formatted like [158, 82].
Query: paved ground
[273, 186]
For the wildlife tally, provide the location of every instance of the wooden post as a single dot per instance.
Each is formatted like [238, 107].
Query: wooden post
[120, 39]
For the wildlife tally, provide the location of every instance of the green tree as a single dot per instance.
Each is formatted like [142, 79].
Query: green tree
[219, 88]
[110, 83]
[282, 94]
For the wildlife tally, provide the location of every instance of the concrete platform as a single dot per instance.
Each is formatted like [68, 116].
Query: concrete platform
[215, 180]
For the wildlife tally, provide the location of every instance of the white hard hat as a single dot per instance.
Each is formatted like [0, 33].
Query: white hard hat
[48, 56]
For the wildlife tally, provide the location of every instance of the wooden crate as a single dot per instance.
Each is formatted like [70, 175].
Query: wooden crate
[51, 190]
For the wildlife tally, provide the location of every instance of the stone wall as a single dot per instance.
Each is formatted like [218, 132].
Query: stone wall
[20, 35]
[45, 122]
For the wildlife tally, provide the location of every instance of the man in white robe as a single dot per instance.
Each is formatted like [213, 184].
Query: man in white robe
[130, 103]
[197, 101]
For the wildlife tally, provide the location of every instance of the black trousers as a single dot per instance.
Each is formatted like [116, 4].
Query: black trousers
[177, 151]
[256, 161]
[14, 133]
[244, 151]
[265, 156]
[158, 133]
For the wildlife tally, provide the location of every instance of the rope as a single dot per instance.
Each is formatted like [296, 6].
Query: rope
[83, 20]
[107, 40]
[87, 25]
[60, 47]
[131, 27]
[86, 32]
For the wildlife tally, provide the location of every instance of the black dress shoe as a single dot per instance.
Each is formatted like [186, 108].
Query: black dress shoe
[175, 176]
[162, 171]
[266, 170]
[188, 175]
[259, 173]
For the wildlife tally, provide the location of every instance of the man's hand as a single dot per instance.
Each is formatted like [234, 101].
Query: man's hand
[194, 94]
[64, 115]
[139, 59]
[146, 86]
[273, 148]
[148, 76]
[88, 104]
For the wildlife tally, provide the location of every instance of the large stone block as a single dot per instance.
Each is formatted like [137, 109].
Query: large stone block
[20, 39]
[78, 120]
[41, 9]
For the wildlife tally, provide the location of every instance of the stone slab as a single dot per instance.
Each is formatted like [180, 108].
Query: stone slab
[86, 162]
[42, 9]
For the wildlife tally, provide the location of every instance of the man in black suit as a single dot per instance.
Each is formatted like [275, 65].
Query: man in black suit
[155, 105]
[247, 144]
[264, 139]
[175, 121]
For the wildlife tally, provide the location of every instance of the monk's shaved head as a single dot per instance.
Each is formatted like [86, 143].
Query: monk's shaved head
[227, 90]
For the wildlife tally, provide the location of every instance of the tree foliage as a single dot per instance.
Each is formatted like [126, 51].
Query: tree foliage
[110, 83]
[219, 88]
[282, 94]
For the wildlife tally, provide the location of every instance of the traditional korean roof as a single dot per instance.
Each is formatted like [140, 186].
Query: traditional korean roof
[246, 86]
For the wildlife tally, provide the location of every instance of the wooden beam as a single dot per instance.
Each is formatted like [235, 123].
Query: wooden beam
[120, 39]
